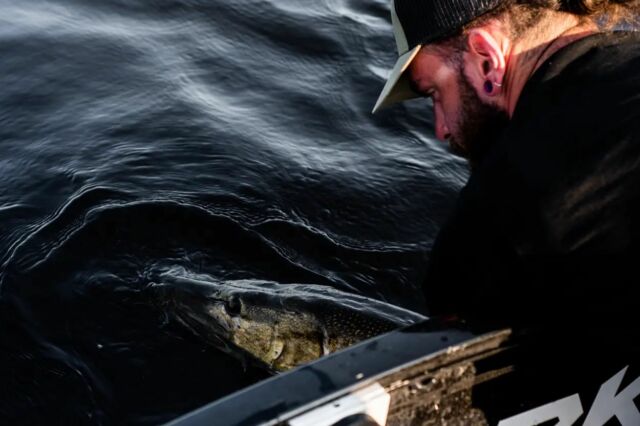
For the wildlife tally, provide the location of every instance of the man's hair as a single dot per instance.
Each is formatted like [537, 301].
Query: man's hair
[522, 15]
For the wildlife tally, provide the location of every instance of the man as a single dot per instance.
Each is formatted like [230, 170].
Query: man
[543, 98]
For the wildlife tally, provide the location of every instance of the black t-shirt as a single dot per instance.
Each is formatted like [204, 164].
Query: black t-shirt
[548, 226]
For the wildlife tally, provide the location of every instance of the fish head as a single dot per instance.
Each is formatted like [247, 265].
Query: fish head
[249, 327]
[242, 317]
[266, 327]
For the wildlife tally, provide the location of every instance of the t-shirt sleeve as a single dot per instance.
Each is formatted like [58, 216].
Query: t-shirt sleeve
[472, 264]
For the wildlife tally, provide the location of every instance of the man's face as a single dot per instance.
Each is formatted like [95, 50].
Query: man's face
[461, 116]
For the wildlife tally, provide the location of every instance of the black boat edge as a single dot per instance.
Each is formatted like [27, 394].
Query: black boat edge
[444, 373]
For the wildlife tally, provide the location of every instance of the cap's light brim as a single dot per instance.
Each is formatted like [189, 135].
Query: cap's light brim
[397, 88]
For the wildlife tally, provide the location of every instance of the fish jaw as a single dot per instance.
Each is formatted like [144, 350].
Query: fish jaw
[304, 341]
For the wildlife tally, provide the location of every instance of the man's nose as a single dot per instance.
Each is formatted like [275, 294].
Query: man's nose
[442, 133]
[441, 129]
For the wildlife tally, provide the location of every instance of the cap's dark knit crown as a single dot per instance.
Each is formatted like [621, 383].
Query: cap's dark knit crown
[425, 21]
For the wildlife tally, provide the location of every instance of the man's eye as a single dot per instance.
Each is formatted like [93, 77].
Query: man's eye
[415, 89]
[428, 94]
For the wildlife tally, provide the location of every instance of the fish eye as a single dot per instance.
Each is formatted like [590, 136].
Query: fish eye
[233, 306]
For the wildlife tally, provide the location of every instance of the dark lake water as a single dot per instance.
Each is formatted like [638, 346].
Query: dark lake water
[227, 138]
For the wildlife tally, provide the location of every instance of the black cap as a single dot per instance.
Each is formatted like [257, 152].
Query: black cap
[426, 21]
[419, 22]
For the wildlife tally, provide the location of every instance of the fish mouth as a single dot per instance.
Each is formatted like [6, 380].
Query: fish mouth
[200, 312]
[205, 323]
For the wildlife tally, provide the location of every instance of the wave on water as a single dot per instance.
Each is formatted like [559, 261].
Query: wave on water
[230, 139]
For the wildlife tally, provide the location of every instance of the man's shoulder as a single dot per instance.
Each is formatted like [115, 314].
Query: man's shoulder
[578, 106]
[596, 69]
[594, 55]
[572, 153]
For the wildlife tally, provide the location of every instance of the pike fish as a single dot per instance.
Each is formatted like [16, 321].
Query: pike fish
[280, 326]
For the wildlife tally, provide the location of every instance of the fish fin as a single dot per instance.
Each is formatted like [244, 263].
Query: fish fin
[326, 350]
[277, 348]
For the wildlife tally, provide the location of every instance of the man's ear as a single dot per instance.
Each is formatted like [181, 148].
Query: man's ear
[486, 59]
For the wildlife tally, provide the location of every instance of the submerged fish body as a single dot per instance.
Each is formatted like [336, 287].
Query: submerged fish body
[280, 325]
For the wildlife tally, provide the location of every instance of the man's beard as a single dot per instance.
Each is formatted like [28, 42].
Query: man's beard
[479, 126]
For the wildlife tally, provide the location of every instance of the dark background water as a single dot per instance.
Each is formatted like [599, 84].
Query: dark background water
[232, 138]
